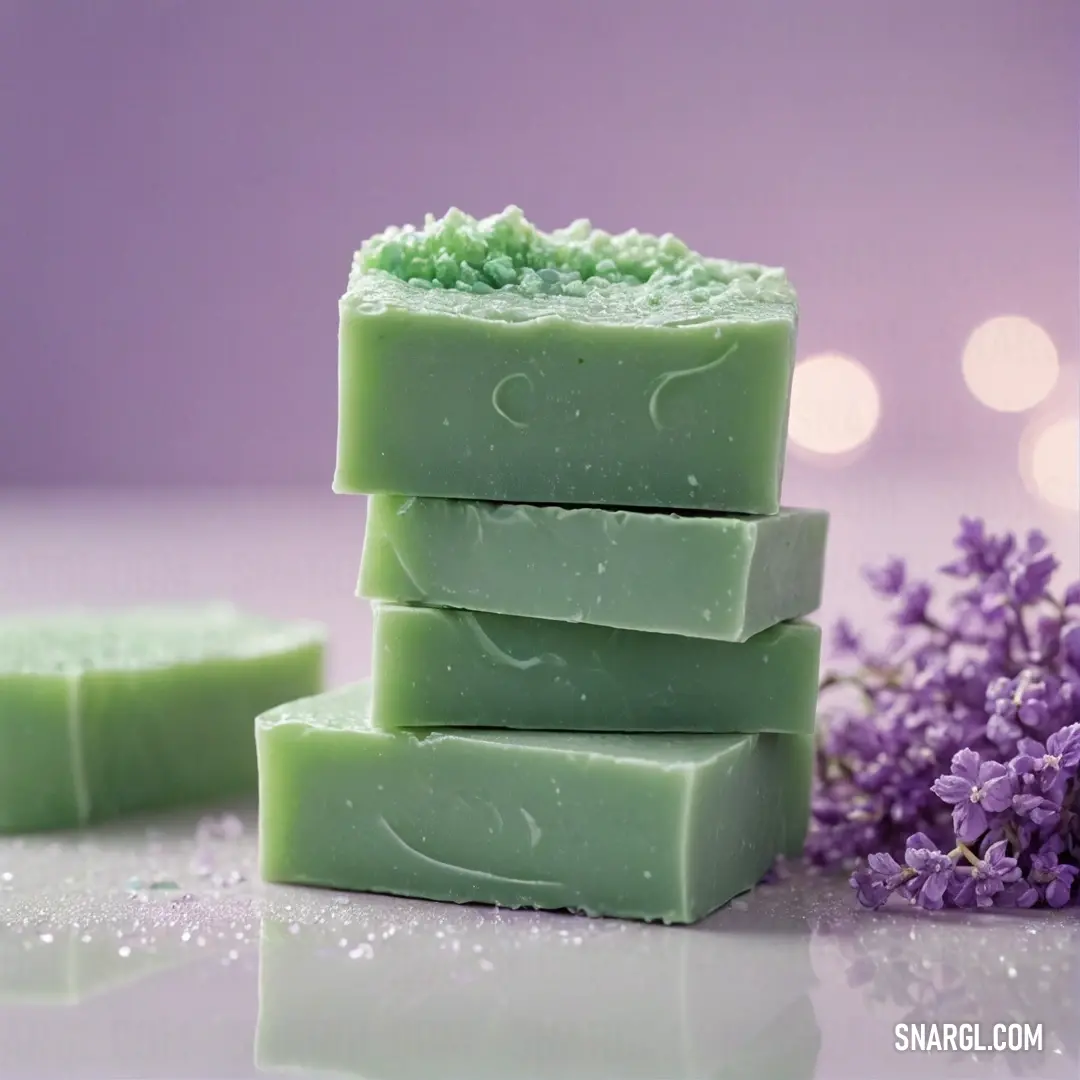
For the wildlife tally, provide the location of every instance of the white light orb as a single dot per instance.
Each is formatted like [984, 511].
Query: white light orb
[1050, 461]
[835, 404]
[1010, 363]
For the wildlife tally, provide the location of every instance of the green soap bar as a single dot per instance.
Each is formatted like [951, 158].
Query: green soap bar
[109, 713]
[472, 669]
[489, 360]
[527, 1001]
[658, 827]
[701, 575]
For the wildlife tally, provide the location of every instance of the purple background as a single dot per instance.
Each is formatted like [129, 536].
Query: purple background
[182, 183]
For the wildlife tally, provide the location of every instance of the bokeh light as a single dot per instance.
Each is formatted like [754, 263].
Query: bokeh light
[1010, 363]
[835, 404]
[1050, 461]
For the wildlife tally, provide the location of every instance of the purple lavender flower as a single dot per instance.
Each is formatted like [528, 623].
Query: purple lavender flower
[875, 883]
[1052, 764]
[977, 885]
[1046, 641]
[845, 642]
[1002, 706]
[1029, 573]
[974, 788]
[987, 694]
[1070, 642]
[1018, 894]
[914, 599]
[981, 554]
[933, 872]
[888, 580]
[1051, 879]
[1039, 809]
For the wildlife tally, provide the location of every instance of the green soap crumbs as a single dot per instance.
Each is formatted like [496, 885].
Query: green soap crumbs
[655, 827]
[489, 360]
[701, 575]
[103, 714]
[506, 251]
[473, 669]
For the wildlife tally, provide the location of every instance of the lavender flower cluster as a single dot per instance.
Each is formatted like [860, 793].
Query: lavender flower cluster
[952, 764]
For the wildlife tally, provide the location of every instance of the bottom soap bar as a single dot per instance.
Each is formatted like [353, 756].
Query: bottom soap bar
[656, 827]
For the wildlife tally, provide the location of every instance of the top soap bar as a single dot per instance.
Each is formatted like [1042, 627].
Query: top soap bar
[489, 360]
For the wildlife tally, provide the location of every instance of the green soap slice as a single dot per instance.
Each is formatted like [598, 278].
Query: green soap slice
[474, 669]
[103, 714]
[521, 1001]
[656, 827]
[487, 359]
[700, 575]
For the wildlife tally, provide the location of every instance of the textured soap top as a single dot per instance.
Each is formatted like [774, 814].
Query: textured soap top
[502, 267]
[348, 709]
[72, 642]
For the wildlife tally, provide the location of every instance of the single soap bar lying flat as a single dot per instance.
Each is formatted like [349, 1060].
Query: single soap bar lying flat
[656, 827]
[109, 713]
[702, 575]
[475, 669]
[489, 360]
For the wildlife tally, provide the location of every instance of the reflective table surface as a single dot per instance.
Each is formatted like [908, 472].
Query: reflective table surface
[150, 949]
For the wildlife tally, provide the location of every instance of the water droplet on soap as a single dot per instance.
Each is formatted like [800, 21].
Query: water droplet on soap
[7, 875]
[365, 952]
[486, 965]
[124, 951]
[46, 938]
[294, 928]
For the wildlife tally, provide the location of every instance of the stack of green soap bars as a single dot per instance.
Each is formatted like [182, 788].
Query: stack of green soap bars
[591, 686]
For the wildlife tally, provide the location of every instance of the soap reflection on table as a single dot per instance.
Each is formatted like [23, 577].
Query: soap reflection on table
[459, 993]
[67, 966]
[95, 1006]
[102, 976]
